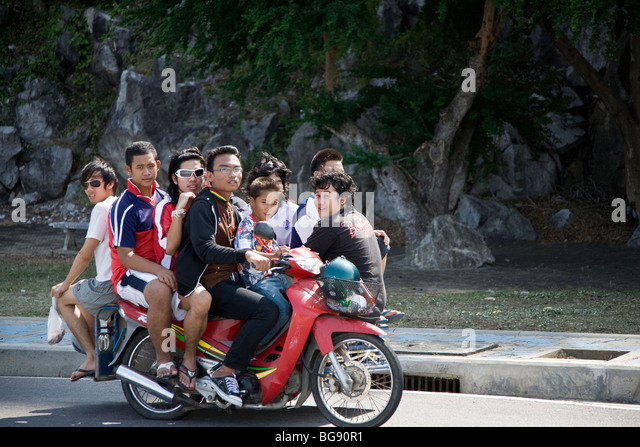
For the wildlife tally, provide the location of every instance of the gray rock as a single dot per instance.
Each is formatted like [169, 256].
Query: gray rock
[495, 220]
[10, 149]
[521, 175]
[450, 244]
[47, 171]
[561, 219]
[42, 113]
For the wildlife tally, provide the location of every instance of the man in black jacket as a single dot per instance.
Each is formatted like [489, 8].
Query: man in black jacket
[343, 231]
[206, 270]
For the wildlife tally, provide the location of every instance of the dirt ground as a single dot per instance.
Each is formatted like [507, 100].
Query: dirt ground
[592, 255]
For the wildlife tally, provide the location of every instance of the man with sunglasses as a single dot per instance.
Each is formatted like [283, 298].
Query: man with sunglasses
[80, 302]
[207, 273]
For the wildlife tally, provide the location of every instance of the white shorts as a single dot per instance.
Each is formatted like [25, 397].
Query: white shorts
[131, 288]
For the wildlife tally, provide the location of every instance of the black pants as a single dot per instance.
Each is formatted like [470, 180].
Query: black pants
[230, 299]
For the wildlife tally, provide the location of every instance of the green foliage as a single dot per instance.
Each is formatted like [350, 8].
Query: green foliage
[27, 44]
[266, 45]
[607, 17]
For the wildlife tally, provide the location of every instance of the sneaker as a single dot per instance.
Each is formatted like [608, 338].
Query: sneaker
[227, 388]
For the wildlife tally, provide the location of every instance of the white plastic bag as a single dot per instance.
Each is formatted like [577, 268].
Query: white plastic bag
[55, 325]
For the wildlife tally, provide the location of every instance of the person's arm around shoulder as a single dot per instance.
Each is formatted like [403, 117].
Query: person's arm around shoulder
[174, 235]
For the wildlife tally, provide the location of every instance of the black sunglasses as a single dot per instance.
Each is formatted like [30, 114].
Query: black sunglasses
[92, 183]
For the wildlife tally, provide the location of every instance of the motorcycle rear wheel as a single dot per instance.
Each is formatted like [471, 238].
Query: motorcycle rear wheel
[141, 355]
[377, 382]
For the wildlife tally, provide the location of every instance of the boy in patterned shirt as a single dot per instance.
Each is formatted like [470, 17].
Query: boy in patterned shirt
[264, 194]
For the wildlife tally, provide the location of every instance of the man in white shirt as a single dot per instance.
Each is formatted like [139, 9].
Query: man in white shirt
[80, 302]
[307, 217]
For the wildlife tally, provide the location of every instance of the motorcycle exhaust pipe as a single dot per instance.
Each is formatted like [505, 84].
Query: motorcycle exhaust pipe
[133, 377]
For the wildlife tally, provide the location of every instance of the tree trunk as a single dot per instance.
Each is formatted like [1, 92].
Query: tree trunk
[329, 64]
[440, 159]
[626, 115]
[393, 182]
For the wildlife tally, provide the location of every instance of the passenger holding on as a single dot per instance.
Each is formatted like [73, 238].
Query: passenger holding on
[329, 160]
[343, 231]
[207, 260]
[264, 195]
[80, 302]
[137, 275]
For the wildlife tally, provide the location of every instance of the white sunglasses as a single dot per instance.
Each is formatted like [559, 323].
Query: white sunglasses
[186, 173]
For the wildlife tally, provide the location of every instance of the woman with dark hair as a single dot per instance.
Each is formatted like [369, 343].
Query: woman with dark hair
[186, 175]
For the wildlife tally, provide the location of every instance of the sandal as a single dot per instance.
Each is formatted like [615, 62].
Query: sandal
[167, 378]
[83, 373]
[397, 316]
[191, 375]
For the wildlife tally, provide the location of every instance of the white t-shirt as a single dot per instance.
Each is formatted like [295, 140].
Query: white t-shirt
[310, 217]
[99, 230]
[281, 221]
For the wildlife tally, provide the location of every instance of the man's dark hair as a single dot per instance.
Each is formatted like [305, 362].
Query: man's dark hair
[322, 157]
[262, 184]
[139, 148]
[103, 168]
[266, 165]
[220, 150]
[190, 153]
[340, 181]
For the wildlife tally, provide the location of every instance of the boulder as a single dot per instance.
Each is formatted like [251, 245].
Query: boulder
[47, 171]
[170, 120]
[521, 176]
[494, 220]
[561, 219]
[450, 244]
[10, 149]
[42, 113]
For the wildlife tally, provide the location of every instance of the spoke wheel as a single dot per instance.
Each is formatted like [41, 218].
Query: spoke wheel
[376, 378]
[141, 356]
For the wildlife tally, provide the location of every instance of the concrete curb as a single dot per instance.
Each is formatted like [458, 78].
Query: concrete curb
[505, 363]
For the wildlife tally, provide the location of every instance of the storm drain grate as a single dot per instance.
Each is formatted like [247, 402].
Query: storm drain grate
[435, 384]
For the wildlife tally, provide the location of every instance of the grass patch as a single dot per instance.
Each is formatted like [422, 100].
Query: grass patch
[26, 281]
[564, 310]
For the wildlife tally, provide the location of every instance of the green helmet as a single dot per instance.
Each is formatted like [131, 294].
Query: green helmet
[341, 268]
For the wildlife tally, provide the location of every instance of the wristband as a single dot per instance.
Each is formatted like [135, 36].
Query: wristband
[178, 213]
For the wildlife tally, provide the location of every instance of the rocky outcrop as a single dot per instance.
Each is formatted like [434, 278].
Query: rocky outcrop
[450, 244]
[495, 220]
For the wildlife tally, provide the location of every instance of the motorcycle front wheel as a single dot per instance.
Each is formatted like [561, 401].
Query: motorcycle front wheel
[141, 355]
[376, 378]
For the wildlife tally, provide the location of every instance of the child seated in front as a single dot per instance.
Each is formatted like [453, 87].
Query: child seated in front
[264, 195]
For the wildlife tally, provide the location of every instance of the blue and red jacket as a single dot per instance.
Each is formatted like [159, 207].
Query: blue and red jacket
[131, 224]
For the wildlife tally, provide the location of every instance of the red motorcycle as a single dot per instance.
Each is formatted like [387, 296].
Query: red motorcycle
[355, 378]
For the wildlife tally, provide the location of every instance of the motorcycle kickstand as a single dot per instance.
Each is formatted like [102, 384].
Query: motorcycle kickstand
[343, 377]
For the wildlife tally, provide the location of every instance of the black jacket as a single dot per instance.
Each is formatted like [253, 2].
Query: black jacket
[198, 247]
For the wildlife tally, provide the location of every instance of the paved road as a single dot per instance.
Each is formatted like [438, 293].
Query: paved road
[55, 402]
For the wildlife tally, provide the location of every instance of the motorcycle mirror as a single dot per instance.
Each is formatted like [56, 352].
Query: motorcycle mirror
[264, 230]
